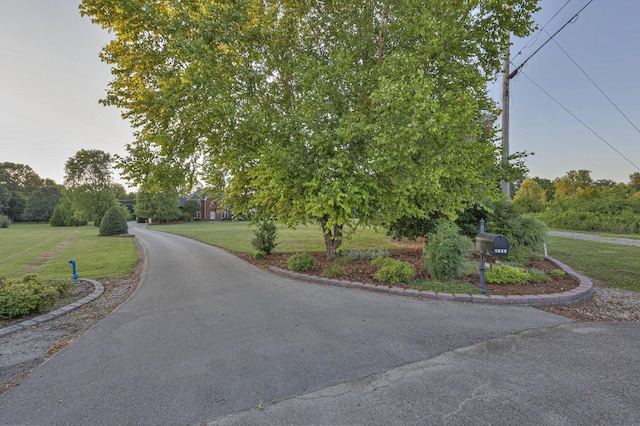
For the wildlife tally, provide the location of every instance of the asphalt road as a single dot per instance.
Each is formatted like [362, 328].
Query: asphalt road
[209, 338]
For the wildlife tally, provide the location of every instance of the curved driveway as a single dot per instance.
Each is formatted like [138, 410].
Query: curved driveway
[209, 337]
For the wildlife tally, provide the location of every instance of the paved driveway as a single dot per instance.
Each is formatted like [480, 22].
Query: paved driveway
[208, 337]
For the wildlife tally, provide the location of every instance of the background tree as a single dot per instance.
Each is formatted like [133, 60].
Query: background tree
[20, 180]
[191, 207]
[89, 180]
[160, 206]
[634, 181]
[343, 113]
[529, 198]
[40, 205]
[5, 197]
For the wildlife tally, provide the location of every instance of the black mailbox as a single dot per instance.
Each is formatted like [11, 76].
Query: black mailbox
[492, 244]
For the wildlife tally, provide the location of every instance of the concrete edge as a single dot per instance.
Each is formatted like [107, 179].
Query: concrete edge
[580, 294]
[97, 292]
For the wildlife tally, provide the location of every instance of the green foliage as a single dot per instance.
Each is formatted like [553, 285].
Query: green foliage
[301, 262]
[4, 221]
[537, 275]
[265, 237]
[350, 125]
[368, 254]
[333, 271]
[507, 274]
[382, 261]
[526, 235]
[191, 207]
[20, 297]
[63, 285]
[41, 204]
[603, 214]
[558, 273]
[90, 187]
[259, 255]
[446, 251]
[161, 206]
[394, 271]
[113, 222]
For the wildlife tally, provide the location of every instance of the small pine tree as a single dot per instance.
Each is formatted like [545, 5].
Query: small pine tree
[113, 222]
[265, 240]
[59, 217]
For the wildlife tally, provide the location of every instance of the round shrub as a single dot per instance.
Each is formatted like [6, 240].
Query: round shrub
[507, 274]
[394, 271]
[446, 252]
[20, 297]
[558, 273]
[300, 262]
[259, 255]
[113, 222]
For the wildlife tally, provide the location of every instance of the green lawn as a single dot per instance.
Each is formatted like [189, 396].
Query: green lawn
[237, 236]
[617, 265]
[46, 250]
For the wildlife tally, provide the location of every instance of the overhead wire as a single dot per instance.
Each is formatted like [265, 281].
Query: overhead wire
[580, 121]
[597, 86]
[542, 28]
[519, 67]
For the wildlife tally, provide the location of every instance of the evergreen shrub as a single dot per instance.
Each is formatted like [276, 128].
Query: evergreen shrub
[266, 235]
[113, 223]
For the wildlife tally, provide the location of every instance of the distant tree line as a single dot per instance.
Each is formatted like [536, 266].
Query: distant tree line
[576, 201]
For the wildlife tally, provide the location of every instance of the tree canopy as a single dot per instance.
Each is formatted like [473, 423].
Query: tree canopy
[89, 183]
[340, 112]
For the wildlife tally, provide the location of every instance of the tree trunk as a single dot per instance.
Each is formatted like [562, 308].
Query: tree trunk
[332, 239]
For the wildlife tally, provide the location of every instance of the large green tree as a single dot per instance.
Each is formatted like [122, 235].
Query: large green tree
[339, 112]
[19, 181]
[40, 205]
[159, 206]
[89, 182]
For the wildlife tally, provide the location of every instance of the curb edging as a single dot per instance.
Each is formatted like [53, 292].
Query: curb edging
[580, 294]
[97, 292]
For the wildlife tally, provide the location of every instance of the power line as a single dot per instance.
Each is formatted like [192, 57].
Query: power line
[529, 44]
[514, 72]
[597, 87]
[581, 122]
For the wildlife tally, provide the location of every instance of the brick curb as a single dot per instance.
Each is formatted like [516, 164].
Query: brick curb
[97, 292]
[580, 294]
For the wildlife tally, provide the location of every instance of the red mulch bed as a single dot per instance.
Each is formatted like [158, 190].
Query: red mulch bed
[362, 271]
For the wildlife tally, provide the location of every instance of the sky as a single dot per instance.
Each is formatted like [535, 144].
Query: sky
[51, 80]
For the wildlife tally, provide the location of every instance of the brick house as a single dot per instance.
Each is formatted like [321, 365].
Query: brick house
[210, 208]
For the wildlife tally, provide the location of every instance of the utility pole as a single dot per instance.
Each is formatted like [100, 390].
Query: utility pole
[506, 186]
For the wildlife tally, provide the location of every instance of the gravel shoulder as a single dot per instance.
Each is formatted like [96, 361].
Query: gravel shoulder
[24, 351]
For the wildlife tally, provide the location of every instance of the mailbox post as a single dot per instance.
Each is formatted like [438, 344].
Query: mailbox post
[489, 245]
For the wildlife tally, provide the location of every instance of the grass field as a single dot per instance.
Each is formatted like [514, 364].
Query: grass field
[617, 265]
[46, 250]
[237, 236]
